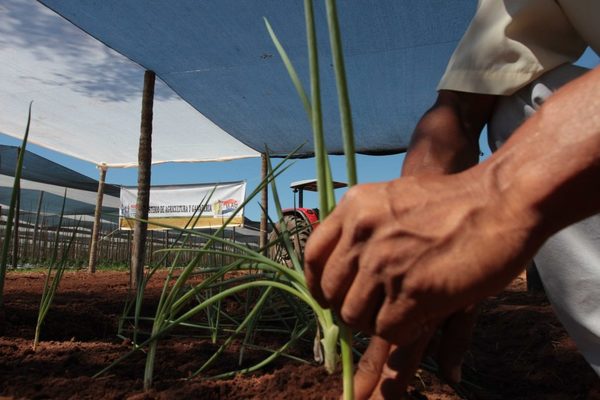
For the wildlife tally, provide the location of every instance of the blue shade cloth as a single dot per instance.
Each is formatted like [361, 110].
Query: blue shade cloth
[217, 55]
[39, 169]
[42, 175]
[52, 205]
[87, 97]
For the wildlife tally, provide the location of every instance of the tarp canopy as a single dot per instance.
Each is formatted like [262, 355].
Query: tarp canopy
[217, 55]
[45, 179]
[39, 169]
[87, 97]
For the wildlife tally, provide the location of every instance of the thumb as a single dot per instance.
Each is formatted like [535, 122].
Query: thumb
[454, 343]
[370, 367]
[400, 368]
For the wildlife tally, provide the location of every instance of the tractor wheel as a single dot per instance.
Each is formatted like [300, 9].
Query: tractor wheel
[298, 230]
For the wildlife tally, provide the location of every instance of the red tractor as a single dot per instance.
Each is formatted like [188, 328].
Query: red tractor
[299, 222]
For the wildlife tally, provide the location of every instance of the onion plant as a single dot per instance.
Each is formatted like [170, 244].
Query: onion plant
[174, 298]
[11, 210]
[313, 109]
[263, 275]
[51, 282]
[259, 273]
[138, 296]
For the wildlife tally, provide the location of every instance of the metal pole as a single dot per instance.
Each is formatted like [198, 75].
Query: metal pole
[97, 213]
[143, 195]
[301, 198]
[265, 205]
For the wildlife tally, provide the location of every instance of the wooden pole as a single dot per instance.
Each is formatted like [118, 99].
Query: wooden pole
[97, 214]
[151, 248]
[25, 251]
[265, 205]
[144, 168]
[36, 227]
[129, 246]
[15, 256]
[108, 249]
[42, 240]
[166, 247]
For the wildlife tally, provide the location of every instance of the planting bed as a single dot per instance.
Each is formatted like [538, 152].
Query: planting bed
[519, 351]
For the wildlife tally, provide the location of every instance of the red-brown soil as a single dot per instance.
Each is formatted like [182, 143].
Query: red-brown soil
[519, 351]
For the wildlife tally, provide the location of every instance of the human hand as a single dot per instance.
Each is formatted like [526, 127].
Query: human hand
[386, 370]
[395, 259]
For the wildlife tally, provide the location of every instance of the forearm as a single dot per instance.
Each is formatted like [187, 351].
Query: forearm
[446, 138]
[548, 173]
[421, 248]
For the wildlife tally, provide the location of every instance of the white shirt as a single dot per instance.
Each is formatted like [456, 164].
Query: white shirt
[509, 43]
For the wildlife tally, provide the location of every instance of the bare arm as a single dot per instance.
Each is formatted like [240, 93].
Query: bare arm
[544, 178]
[446, 139]
[551, 165]
[418, 248]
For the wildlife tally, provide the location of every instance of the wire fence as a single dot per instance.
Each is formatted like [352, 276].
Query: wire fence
[33, 244]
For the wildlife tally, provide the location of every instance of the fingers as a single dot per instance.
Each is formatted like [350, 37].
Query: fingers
[362, 303]
[319, 247]
[331, 261]
[369, 368]
[400, 369]
[401, 322]
[339, 273]
[332, 252]
[457, 333]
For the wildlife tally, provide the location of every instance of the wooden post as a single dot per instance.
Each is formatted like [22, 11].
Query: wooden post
[166, 247]
[151, 250]
[15, 255]
[144, 169]
[43, 239]
[129, 245]
[111, 249]
[36, 227]
[265, 205]
[96, 227]
[25, 246]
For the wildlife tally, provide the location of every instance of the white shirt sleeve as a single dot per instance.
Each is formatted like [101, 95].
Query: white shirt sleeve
[508, 44]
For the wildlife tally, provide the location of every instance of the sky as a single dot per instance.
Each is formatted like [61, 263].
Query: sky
[370, 168]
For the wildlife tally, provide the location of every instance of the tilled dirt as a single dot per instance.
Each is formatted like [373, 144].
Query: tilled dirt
[519, 351]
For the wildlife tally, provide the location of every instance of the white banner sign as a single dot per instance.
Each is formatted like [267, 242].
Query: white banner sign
[175, 205]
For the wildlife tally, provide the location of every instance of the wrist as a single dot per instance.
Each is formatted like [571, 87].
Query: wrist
[446, 139]
[512, 201]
